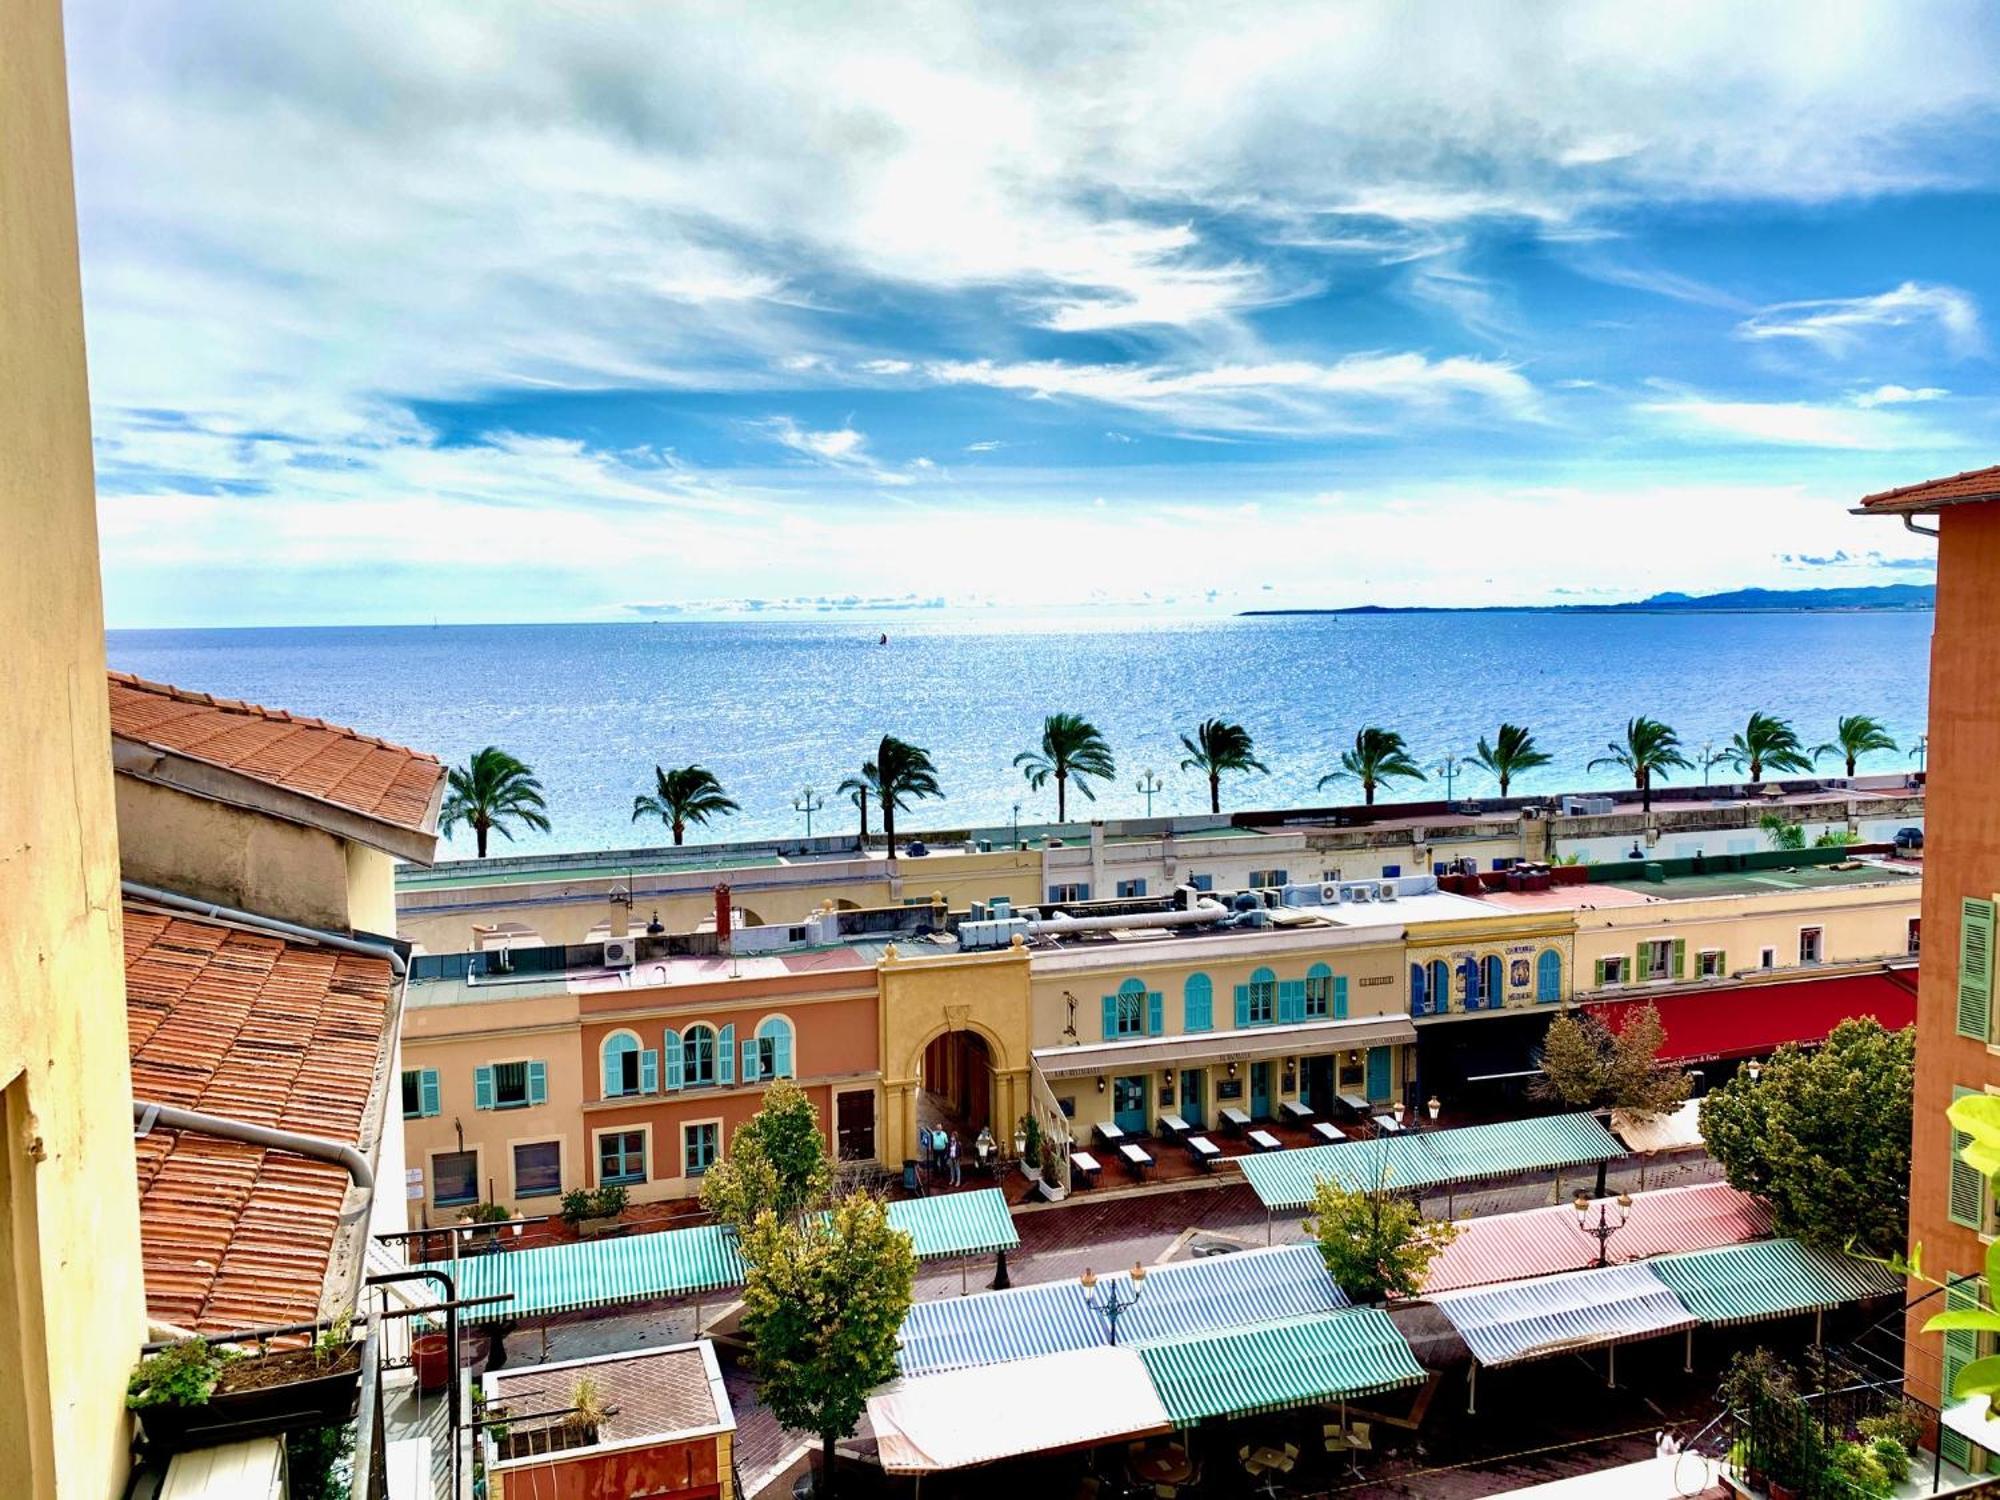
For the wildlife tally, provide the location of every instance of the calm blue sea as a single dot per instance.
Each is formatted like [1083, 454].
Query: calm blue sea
[770, 705]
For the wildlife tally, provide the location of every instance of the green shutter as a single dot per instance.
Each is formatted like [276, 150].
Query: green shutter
[1340, 997]
[1680, 958]
[1961, 1348]
[1600, 972]
[1975, 968]
[538, 1083]
[1721, 964]
[427, 1089]
[1965, 1202]
[482, 1088]
[1639, 964]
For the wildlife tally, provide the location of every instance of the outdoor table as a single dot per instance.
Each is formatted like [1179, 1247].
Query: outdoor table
[1329, 1132]
[1161, 1463]
[1086, 1166]
[1295, 1111]
[1234, 1119]
[1263, 1140]
[1109, 1132]
[1204, 1151]
[1388, 1125]
[1137, 1161]
[1356, 1105]
[1173, 1127]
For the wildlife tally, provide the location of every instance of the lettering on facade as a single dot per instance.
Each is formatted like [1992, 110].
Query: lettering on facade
[1368, 981]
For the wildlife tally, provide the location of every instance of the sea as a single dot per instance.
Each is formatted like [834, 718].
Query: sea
[773, 706]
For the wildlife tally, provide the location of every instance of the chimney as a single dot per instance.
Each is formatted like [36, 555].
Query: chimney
[722, 913]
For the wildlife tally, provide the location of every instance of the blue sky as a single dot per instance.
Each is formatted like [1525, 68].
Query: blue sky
[491, 312]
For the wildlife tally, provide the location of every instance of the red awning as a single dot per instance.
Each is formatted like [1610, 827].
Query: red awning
[1750, 1020]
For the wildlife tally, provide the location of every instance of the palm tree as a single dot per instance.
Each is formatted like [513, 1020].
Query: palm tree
[1856, 736]
[1378, 755]
[1512, 752]
[901, 770]
[1650, 749]
[1217, 746]
[859, 790]
[490, 791]
[687, 794]
[1071, 746]
[1767, 741]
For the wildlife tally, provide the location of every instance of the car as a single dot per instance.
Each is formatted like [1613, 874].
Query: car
[1909, 838]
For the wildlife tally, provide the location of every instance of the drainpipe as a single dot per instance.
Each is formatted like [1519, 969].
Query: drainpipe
[158, 897]
[148, 1115]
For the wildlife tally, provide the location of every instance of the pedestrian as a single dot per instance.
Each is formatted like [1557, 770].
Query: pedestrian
[951, 1155]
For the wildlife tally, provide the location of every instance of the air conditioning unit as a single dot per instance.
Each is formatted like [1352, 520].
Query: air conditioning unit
[1360, 893]
[1329, 894]
[1389, 891]
[618, 953]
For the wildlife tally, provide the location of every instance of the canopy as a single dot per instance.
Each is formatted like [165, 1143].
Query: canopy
[1540, 1241]
[1646, 1134]
[980, 1415]
[1179, 1300]
[1525, 1320]
[1747, 1283]
[1749, 1021]
[1327, 1358]
[1430, 1158]
[974, 1223]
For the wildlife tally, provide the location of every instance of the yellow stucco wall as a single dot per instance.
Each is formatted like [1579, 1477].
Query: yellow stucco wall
[72, 1310]
[922, 998]
[1516, 939]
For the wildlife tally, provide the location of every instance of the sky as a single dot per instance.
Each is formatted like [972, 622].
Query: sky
[591, 311]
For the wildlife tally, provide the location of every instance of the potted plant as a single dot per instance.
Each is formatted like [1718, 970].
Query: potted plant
[485, 1215]
[189, 1393]
[593, 1212]
[1031, 1147]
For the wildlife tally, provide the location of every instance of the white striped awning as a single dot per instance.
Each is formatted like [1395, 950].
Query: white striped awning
[1524, 1320]
[1770, 1279]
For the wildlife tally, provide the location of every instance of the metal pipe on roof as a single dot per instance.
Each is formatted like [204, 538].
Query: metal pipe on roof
[147, 1115]
[1202, 913]
[198, 907]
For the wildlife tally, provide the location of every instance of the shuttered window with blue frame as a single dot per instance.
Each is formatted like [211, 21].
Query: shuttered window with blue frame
[1548, 977]
[1439, 985]
[420, 1093]
[1319, 993]
[620, 1058]
[1291, 1000]
[1420, 991]
[482, 1088]
[1260, 999]
[1493, 982]
[769, 1053]
[1468, 982]
[1340, 997]
[1198, 1004]
[725, 1055]
[1125, 1013]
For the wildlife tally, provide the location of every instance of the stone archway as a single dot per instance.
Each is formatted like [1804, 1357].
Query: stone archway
[959, 1083]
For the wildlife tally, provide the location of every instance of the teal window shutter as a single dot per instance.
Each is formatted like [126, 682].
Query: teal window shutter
[482, 1088]
[1110, 1017]
[751, 1072]
[1965, 1201]
[1198, 1004]
[1156, 1005]
[1493, 982]
[781, 1049]
[1242, 1006]
[1378, 1073]
[1440, 986]
[1961, 1348]
[1468, 974]
[1548, 976]
[1975, 968]
[674, 1074]
[649, 1070]
[427, 1089]
[1291, 1000]
[725, 1054]
[612, 1083]
[538, 1083]
[1340, 997]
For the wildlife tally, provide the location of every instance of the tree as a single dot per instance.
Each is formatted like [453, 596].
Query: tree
[1217, 746]
[1512, 752]
[776, 1162]
[1587, 1065]
[902, 770]
[1767, 741]
[1784, 833]
[1824, 1134]
[860, 790]
[1650, 749]
[489, 793]
[1855, 736]
[1376, 1244]
[1378, 756]
[687, 794]
[1071, 746]
[823, 1302]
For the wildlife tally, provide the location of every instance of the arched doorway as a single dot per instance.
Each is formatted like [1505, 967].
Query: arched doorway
[958, 1084]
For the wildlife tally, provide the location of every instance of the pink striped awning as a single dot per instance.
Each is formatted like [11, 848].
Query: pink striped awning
[1541, 1241]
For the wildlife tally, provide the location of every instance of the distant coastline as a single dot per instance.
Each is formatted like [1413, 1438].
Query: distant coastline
[1891, 596]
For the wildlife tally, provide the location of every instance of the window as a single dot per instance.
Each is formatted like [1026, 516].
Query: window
[697, 1056]
[1614, 970]
[1915, 944]
[1493, 984]
[1319, 993]
[1261, 879]
[626, 1067]
[1656, 959]
[1263, 989]
[538, 1169]
[1812, 944]
[1768, 959]
[1125, 1012]
[1075, 891]
[1198, 1004]
[621, 1156]
[1067, 1104]
[768, 1054]
[1331, 875]
[455, 1178]
[1131, 889]
[510, 1085]
[1548, 976]
[1392, 872]
[1710, 964]
[1201, 882]
[699, 1147]
[1439, 985]
[420, 1093]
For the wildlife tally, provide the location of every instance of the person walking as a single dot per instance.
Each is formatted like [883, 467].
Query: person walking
[951, 1155]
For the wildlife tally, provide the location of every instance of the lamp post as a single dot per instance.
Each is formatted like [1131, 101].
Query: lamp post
[1448, 769]
[1603, 1229]
[1920, 752]
[1148, 786]
[1017, 825]
[808, 804]
[1105, 1300]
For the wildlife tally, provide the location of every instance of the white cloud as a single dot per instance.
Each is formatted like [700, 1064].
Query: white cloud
[1855, 424]
[1899, 395]
[986, 445]
[1841, 325]
[887, 366]
[841, 448]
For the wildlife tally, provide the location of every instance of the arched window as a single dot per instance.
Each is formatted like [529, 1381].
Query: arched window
[697, 1056]
[1548, 976]
[1468, 982]
[1198, 1004]
[1440, 986]
[1319, 992]
[624, 1066]
[769, 1053]
[1263, 997]
[1495, 983]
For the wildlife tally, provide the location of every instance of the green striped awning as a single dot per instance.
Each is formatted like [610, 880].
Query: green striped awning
[1769, 1279]
[1301, 1363]
[975, 1223]
[1431, 1158]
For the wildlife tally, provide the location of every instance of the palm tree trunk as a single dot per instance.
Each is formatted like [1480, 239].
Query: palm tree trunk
[1062, 797]
[480, 825]
[1645, 791]
[861, 805]
[1368, 792]
[1215, 791]
[680, 830]
[889, 823]
[1503, 783]
[1756, 770]
[1850, 768]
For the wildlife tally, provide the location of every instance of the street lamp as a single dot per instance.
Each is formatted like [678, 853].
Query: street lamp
[1106, 1300]
[808, 804]
[1448, 769]
[1603, 1229]
[1920, 752]
[1017, 825]
[1755, 1069]
[1432, 1107]
[1148, 786]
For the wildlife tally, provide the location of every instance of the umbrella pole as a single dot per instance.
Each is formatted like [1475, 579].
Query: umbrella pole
[1267, 1226]
[1472, 1390]
[1611, 1369]
[1687, 1366]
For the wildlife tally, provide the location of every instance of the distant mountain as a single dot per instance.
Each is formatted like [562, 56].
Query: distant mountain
[1883, 596]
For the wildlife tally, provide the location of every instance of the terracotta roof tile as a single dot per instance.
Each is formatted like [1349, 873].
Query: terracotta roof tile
[246, 1025]
[1973, 484]
[390, 783]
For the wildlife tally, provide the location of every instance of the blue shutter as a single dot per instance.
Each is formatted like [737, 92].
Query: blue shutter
[781, 1045]
[750, 1070]
[427, 1087]
[1156, 1007]
[674, 1076]
[1291, 1000]
[1548, 976]
[1242, 1006]
[1378, 1073]
[725, 1054]
[1110, 1017]
[1340, 997]
[482, 1088]
[649, 1071]
[1468, 973]
[613, 1080]
[1493, 981]
[1419, 995]
[1197, 1004]
[538, 1083]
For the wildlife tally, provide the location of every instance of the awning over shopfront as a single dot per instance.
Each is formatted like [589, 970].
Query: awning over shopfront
[1179, 1300]
[1645, 1135]
[1524, 1320]
[946, 1224]
[1543, 1241]
[1770, 1279]
[1753, 1019]
[1334, 1357]
[1431, 1158]
[990, 1412]
[1219, 1046]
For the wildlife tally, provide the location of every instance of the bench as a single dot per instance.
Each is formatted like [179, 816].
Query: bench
[1204, 1152]
[1082, 1164]
[1263, 1140]
[1138, 1161]
[1328, 1132]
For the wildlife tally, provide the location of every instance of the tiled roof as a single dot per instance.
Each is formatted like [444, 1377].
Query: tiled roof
[249, 1026]
[657, 1392]
[316, 759]
[1973, 484]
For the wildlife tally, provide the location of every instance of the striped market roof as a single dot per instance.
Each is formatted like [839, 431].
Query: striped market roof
[1525, 1320]
[1177, 1301]
[1431, 1158]
[1748, 1283]
[644, 1267]
[1332, 1357]
[1540, 1241]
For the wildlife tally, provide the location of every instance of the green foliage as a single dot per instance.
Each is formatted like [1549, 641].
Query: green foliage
[1512, 752]
[1824, 1135]
[684, 795]
[1031, 1138]
[1767, 741]
[1071, 748]
[1893, 1454]
[319, 1463]
[489, 793]
[579, 1204]
[1834, 838]
[1587, 1065]
[1899, 1425]
[1218, 746]
[902, 771]
[1375, 1243]
[334, 1340]
[1650, 750]
[777, 1162]
[1855, 736]
[1861, 1470]
[823, 1303]
[1783, 833]
[182, 1374]
[1378, 756]
[486, 1213]
[1757, 1377]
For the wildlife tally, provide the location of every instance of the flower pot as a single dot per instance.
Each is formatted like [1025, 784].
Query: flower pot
[283, 1392]
[431, 1355]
